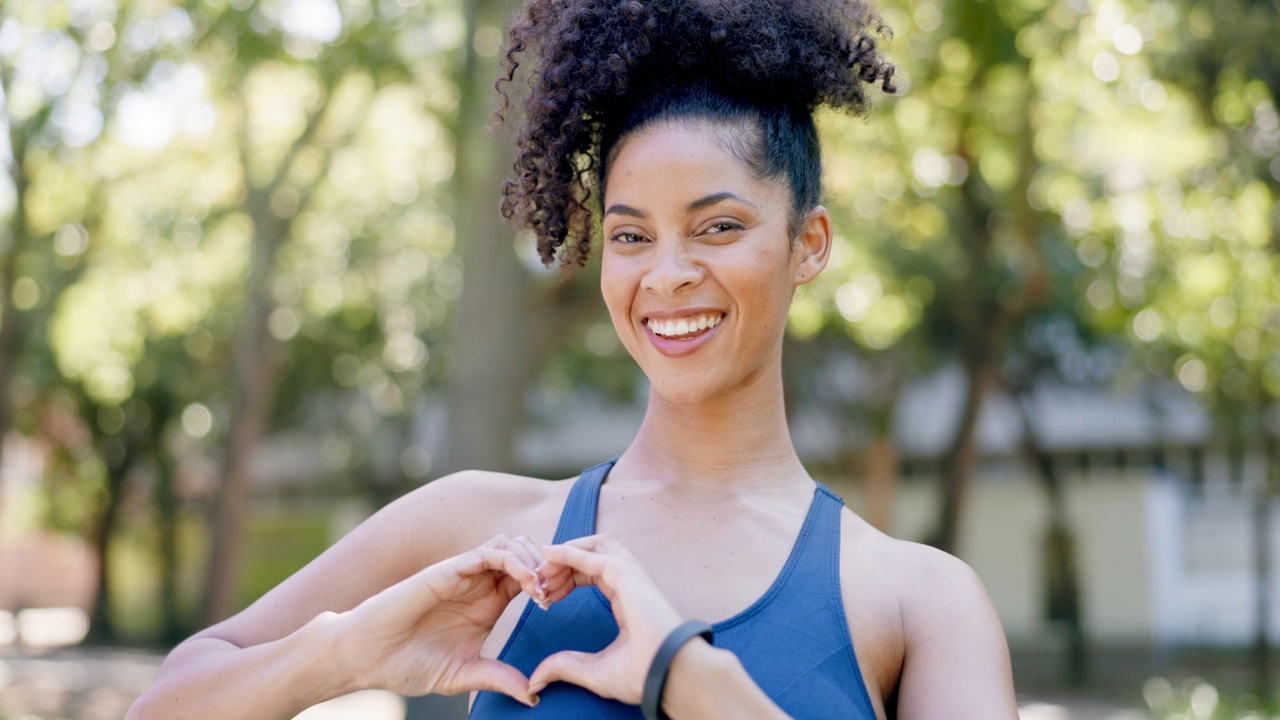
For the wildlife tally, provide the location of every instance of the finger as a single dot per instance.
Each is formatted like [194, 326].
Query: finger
[531, 555]
[528, 551]
[591, 568]
[492, 559]
[556, 580]
[569, 666]
[519, 570]
[524, 578]
[487, 674]
[603, 543]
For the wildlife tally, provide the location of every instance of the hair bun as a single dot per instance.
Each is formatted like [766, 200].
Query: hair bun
[595, 59]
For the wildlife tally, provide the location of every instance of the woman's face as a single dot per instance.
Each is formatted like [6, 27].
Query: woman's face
[698, 267]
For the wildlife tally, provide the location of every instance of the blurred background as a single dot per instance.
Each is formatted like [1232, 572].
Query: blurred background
[254, 286]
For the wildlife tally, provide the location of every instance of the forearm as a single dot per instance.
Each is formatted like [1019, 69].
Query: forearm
[707, 682]
[208, 677]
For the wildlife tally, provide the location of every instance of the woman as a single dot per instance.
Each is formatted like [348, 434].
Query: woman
[691, 120]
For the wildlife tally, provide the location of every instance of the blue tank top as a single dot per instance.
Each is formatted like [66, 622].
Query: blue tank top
[793, 641]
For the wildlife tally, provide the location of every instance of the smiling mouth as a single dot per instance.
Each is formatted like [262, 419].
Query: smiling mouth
[684, 328]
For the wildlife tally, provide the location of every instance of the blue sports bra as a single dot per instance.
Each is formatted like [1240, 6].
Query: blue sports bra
[794, 641]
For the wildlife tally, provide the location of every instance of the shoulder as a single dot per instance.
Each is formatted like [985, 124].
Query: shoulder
[945, 632]
[493, 490]
[925, 582]
[464, 509]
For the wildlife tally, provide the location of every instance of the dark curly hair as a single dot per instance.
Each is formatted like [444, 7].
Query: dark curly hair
[606, 68]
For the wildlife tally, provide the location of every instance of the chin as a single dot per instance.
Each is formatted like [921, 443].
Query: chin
[685, 392]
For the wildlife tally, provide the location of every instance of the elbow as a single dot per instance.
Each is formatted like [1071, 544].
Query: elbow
[148, 707]
[140, 709]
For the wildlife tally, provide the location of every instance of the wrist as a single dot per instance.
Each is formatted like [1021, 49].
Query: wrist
[696, 668]
[660, 667]
[324, 640]
[710, 682]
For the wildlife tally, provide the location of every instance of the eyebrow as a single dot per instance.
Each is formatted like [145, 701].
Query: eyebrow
[714, 198]
[696, 205]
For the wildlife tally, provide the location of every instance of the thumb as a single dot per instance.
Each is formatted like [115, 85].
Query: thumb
[570, 666]
[487, 674]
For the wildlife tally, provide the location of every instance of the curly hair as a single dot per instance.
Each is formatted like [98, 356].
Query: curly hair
[605, 68]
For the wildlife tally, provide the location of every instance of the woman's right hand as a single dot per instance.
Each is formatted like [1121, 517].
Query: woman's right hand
[423, 634]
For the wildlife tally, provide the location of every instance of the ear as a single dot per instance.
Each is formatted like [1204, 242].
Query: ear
[812, 246]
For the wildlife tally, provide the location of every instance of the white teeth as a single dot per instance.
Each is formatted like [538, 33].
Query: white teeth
[685, 326]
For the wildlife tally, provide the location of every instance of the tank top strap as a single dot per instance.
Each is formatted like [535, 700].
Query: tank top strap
[827, 523]
[818, 565]
[826, 549]
[578, 519]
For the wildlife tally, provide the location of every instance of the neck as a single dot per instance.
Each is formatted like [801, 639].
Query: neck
[737, 440]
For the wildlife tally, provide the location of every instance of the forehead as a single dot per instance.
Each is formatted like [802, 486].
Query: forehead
[679, 157]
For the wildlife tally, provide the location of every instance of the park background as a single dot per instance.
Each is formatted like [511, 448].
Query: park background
[254, 285]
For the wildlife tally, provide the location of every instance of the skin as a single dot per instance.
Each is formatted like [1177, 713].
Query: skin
[696, 518]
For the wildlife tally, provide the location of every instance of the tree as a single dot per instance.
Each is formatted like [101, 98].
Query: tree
[205, 157]
[1158, 168]
[948, 259]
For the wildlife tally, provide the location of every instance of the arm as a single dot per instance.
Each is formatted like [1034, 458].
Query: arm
[276, 679]
[308, 639]
[956, 663]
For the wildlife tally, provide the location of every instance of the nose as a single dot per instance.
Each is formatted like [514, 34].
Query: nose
[672, 270]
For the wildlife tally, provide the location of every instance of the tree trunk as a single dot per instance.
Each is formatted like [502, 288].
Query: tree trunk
[256, 368]
[495, 353]
[11, 334]
[173, 628]
[494, 340]
[1061, 575]
[1263, 682]
[988, 318]
[882, 477]
[102, 629]
[961, 458]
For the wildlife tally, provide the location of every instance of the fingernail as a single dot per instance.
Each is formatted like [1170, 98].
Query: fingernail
[542, 603]
[534, 700]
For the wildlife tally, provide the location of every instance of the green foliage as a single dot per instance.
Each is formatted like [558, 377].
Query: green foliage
[1123, 151]
[153, 147]
[141, 217]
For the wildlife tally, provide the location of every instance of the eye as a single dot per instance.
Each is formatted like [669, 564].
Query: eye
[627, 238]
[722, 227]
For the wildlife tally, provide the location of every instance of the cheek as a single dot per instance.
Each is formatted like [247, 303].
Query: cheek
[769, 279]
[617, 294]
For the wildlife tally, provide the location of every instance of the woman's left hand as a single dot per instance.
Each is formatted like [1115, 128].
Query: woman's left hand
[644, 617]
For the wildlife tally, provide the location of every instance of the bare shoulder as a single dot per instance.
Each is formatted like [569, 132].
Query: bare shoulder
[462, 510]
[923, 579]
[937, 641]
